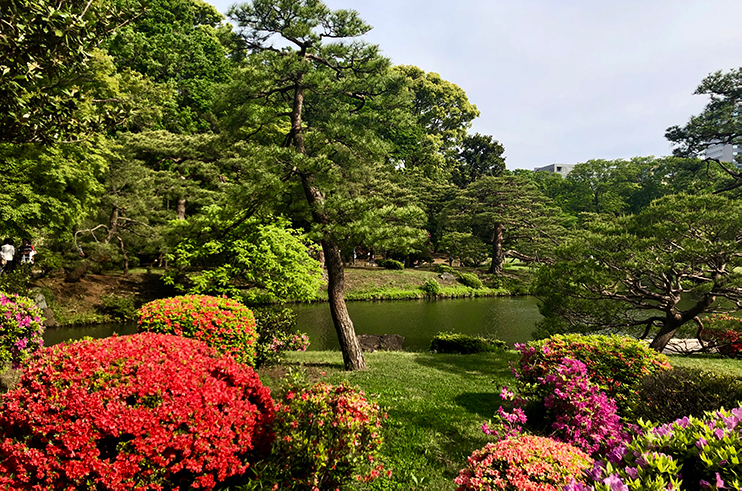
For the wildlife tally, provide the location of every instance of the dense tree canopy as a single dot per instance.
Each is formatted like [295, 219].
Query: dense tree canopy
[659, 269]
[509, 215]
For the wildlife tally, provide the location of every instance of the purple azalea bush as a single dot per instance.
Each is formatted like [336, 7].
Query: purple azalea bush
[21, 329]
[690, 453]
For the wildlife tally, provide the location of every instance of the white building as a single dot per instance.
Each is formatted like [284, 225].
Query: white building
[723, 152]
[561, 169]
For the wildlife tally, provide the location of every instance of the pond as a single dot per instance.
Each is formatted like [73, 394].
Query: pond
[511, 319]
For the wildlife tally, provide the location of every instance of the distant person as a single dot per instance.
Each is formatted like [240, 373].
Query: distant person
[26, 251]
[7, 255]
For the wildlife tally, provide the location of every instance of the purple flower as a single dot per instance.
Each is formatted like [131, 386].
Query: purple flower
[615, 483]
[719, 433]
[701, 443]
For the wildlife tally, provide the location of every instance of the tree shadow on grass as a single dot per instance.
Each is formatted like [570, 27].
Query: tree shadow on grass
[483, 404]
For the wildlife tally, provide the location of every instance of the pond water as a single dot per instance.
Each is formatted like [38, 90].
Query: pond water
[511, 319]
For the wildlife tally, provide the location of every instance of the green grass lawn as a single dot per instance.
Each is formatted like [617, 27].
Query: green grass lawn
[436, 405]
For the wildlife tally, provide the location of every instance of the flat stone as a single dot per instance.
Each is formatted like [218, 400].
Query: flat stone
[386, 342]
[448, 277]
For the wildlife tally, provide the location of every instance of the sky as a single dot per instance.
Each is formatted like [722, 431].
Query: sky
[564, 81]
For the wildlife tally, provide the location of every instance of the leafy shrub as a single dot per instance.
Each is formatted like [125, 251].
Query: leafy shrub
[444, 268]
[325, 437]
[224, 324]
[527, 462]
[669, 395]
[277, 333]
[691, 453]
[451, 342]
[431, 287]
[17, 281]
[471, 280]
[389, 264]
[21, 329]
[119, 307]
[615, 363]
[724, 332]
[147, 411]
[575, 411]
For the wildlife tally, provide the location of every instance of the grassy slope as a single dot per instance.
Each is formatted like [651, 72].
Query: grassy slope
[436, 405]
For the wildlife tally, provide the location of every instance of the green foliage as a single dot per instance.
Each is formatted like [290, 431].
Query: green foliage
[390, 264]
[507, 213]
[48, 187]
[631, 272]
[451, 342]
[720, 122]
[615, 363]
[470, 279]
[669, 395]
[444, 268]
[119, 307]
[44, 48]
[17, 281]
[479, 156]
[691, 453]
[221, 323]
[264, 257]
[325, 436]
[431, 287]
[276, 328]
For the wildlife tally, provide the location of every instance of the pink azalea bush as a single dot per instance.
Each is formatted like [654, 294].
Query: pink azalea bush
[146, 412]
[725, 333]
[527, 463]
[21, 329]
[326, 437]
[576, 411]
[222, 323]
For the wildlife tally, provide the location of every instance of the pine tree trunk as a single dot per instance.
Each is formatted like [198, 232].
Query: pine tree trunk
[661, 340]
[181, 208]
[352, 354]
[497, 253]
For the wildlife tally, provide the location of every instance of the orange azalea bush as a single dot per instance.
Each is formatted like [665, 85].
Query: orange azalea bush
[326, 437]
[222, 323]
[527, 463]
[145, 412]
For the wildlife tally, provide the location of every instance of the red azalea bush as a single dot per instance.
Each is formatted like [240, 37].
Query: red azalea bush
[325, 437]
[615, 363]
[21, 329]
[222, 323]
[724, 332]
[530, 463]
[146, 412]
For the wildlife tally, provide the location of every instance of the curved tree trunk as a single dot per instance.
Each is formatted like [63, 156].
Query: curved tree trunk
[660, 341]
[352, 354]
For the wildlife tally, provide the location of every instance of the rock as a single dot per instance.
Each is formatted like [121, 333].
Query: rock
[387, 342]
[448, 277]
[50, 320]
[41, 301]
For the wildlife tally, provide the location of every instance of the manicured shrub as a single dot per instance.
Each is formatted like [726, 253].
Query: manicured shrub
[452, 342]
[444, 268]
[724, 333]
[615, 363]
[431, 287]
[471, 280]
[277, 333]
[224, 324]
[524, 463]
[21, 329]
[691, 453]
[390, 264]
[147, 411]
[326, 437]
[669, 395]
